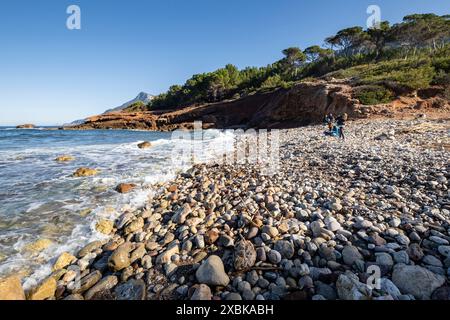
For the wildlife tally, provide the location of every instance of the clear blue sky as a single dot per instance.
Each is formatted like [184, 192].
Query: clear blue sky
[52, 75]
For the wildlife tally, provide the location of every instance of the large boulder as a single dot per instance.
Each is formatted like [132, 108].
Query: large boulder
[11, 289]
[416, 280]
[212, 272]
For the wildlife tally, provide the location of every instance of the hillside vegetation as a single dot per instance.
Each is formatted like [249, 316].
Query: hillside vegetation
[383, 61]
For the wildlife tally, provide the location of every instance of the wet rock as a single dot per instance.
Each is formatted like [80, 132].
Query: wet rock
[45, 290]
[85, 172]
[63, 261]
[89, 248]
[144, 145]
[64, 158]
[120, 258]
[104, 226]
[39, 245]
[125, 187]
[11, 289]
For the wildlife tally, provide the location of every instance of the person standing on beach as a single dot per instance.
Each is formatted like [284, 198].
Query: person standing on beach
[329, 120]
[340, 123]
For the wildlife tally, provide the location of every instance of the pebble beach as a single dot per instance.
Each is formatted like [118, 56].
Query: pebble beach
[367, 218]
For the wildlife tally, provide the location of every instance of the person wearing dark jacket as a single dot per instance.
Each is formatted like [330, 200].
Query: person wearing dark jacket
[340, 123]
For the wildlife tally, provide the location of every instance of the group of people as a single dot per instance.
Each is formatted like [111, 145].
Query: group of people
[335, 125]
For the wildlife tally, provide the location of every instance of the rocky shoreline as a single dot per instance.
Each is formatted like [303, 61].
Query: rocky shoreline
[333, 213]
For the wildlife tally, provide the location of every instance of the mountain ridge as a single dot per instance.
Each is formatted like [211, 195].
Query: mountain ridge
[142, 96]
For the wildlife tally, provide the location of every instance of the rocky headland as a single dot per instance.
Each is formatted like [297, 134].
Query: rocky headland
[304, 104]
[316, 230]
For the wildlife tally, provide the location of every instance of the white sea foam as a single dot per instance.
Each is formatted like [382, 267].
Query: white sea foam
[123, 162]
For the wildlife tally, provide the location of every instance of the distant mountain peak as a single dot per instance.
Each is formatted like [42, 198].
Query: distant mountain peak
[142, 96]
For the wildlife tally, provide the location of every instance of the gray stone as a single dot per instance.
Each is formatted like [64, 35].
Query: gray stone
[285, 248]
[349, 288]
[350, 255]
[274, 256]
[212, 272]
[432, 261]
[131, 290]
[107, 283]
[401, 257]
[416, 280]
[202, 292]
[233, 296]
[389, 287]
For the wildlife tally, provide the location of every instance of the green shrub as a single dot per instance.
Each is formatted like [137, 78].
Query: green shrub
[442, 78]
[136, 107]
[273, 82]
[369, 95]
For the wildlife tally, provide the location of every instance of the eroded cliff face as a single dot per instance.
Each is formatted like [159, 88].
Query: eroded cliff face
[305, 103]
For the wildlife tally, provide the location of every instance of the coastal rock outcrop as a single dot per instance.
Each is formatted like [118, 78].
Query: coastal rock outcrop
[304, 103]
[85, 172]
[26, 126]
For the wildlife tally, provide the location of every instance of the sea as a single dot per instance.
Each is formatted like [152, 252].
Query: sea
[41, 200]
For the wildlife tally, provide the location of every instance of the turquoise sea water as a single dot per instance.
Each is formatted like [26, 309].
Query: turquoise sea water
[39, 198]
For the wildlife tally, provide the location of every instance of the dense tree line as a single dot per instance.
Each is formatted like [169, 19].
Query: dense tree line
[417, 35]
